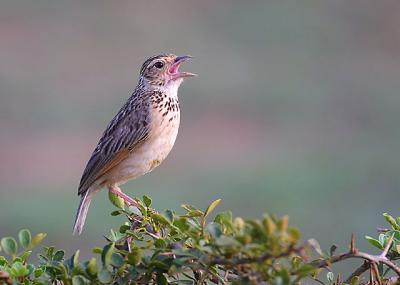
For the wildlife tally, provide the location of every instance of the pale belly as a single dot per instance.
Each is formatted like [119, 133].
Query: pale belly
[148, 155]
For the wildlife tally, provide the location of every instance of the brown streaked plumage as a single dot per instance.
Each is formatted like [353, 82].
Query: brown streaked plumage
[139, 137]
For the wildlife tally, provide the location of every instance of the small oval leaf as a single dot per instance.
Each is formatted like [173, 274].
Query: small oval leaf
[116, 200]
[147, 200]
[59, 255]
[107, 254]
[104, 276]
[92, 267]
[117, 260]
[9, 245]
[25, 238]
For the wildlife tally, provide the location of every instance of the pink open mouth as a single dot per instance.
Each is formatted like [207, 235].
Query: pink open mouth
[174, 69]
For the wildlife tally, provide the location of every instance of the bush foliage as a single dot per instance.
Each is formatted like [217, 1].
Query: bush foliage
[192, 248]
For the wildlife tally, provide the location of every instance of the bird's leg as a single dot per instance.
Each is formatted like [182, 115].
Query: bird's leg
[128, 200]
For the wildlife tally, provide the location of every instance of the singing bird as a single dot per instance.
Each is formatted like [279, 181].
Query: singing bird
[139, 137]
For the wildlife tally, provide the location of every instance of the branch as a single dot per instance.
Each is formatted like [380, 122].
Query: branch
[360, 270]
[354, 253]
[362, 255]
[387, 247]
[374, 269]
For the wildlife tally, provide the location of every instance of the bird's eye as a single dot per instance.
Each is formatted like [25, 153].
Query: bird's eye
[159, 64]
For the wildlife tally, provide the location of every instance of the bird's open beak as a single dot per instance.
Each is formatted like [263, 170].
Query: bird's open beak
[173, 70]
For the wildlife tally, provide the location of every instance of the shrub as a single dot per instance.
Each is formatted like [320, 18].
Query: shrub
[191, 248]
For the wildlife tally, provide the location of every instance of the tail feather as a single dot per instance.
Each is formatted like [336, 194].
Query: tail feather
[83, 208]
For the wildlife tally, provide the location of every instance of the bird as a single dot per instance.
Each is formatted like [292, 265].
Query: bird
[139, 137]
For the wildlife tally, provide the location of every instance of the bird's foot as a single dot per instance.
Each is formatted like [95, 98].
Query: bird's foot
[128, 200]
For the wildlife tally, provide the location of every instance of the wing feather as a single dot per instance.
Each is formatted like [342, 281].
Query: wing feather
[127, 129]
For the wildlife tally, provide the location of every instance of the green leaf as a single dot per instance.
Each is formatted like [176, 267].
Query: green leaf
[97, 250]
[9, 245]
[374, 242]
[169, 215]
[25, 238]
[330, 276]
[227, 241]
[59, 255]
[92, 267]
[73, 261]
[293, 235]
[283, 223]
[269, 224]
[124, 228]
[355, 280]
[107, 254]
[189, 208]
[160, 243]
[225, 220]
[49, 252]
[116, 200]
[116, 213]
[114, 236]
[193, 214]
[161, 279]
[181, 224]
[158, 264]
[19, 270]
[382, 239]
[315, 245]
[147, 200]
[24, 256]
[332, 250]
[160, 219]
[284, 275]
[37, 239]
[211, 207]
[104, 276]
[38, 272]
[214, 229]
[135, 256]
[75, 258]
[306, 270]
[391, 221]
[117, 260]
[79, 280]
[3, 261]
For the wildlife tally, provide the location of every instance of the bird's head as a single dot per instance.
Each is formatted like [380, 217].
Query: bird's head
[163, 70]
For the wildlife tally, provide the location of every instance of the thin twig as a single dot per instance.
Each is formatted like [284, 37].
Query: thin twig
[376, 272]
[382, 230]
[358, 272]
[387, 247]
[371, 276]
[353, 244]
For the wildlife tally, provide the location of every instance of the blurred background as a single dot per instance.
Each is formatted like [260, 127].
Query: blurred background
[295, 111]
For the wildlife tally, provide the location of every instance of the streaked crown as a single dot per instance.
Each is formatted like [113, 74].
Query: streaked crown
[161, 69]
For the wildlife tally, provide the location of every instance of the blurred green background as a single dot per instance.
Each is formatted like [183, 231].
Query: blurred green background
[295, 111]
